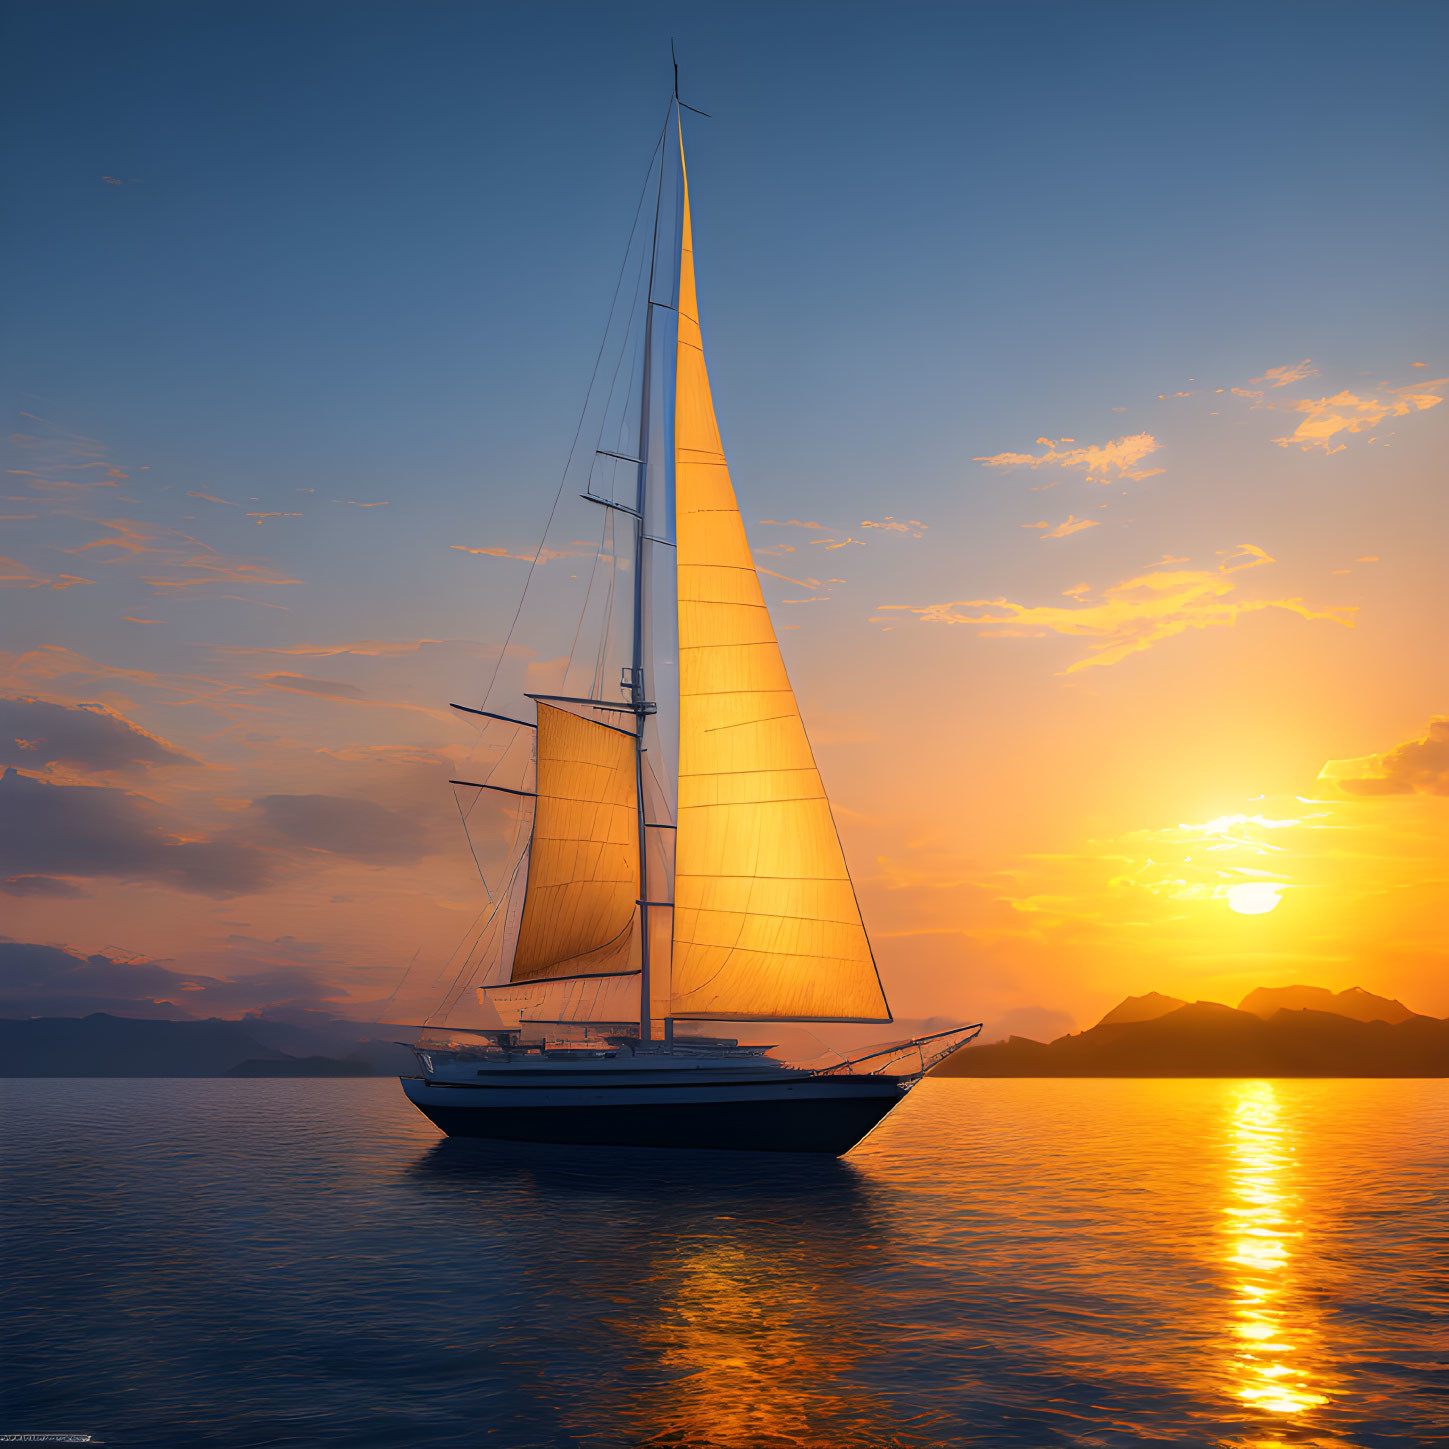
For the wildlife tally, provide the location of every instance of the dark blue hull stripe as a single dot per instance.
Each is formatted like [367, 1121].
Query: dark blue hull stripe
[832, 1125]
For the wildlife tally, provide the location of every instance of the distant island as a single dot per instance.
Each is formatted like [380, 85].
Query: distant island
[1288, 1031]
[1285, 1031]
[102, 1045]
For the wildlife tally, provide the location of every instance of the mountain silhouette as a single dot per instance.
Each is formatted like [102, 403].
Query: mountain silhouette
[1141, 1008]
[1357, 1003]
[1205, 1039]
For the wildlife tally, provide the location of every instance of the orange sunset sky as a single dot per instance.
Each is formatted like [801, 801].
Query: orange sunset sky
[1100, 494]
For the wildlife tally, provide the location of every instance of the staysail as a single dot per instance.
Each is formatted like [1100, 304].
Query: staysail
[579, 909]
[766, 924]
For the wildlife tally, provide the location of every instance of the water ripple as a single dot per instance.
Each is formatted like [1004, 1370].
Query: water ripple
[242, 1264]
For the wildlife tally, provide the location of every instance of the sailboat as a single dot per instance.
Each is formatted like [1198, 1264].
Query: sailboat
[669, 866]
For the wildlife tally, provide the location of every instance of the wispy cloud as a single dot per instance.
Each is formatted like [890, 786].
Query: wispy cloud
[187, 560]
[305, 684]
[1105, 462]
[261, 517]
[912, 527]
[802, 583]
[366, 648]
[1131, 616]
[788, 523]
[1289, 372]
[16, 575]
[61, 460]
[1071, 524]
[545, 555]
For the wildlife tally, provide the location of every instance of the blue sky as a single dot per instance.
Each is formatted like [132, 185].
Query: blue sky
[367, 250]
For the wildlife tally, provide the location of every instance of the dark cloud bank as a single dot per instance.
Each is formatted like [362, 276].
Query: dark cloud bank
[92, 830]
[36, 732]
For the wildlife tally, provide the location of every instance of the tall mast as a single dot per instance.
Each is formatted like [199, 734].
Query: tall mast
[639, 685]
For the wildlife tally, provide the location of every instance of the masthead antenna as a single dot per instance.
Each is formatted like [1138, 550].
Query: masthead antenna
[673, 57]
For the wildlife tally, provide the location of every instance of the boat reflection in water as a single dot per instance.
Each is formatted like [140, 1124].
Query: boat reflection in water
[722, 1299]
[1270, 1365]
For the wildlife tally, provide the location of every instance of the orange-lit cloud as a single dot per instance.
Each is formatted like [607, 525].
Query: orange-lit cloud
[367, 648]
[788, 523]
[1289, 372]
[913, 527]
[38, 732]
[802, 583]
[1070, 525]
[305, 684]
[260, 517]
[1105, 462]
[188, 561]
[1327, 418]
[1131, 616]
[545, 555]
[16, 575]
[1417, 766]
[57, 459]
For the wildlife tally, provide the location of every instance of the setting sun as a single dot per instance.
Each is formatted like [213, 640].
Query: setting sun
[1254, 898]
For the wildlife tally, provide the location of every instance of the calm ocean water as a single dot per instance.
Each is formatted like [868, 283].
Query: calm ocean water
[224, 1263]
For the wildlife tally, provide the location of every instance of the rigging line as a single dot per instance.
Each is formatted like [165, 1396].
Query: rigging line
[450, 997]
[407, 971]
[635, 364]
[608, 531]
[618, 286]
[475, 928]
[596, 679]
[638, 342]
[479, 924]
[604, 541]
[468, 836]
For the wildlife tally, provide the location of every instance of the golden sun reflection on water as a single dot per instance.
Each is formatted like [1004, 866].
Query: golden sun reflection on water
[1263, 1230]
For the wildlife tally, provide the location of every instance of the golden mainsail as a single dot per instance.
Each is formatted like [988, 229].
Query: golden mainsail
[696, 848]
[766, 923]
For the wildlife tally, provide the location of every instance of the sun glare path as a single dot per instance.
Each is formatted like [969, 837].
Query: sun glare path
[1262, 1234]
